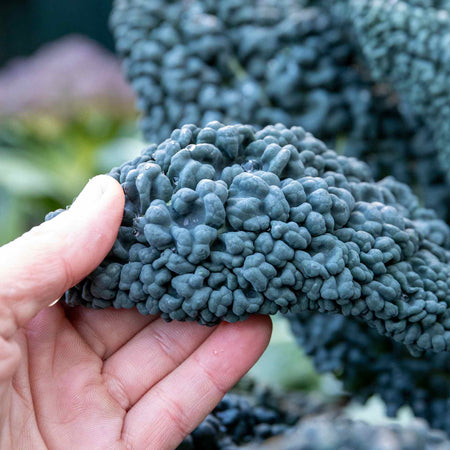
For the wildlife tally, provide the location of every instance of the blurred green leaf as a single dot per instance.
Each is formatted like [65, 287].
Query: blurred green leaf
[10, 217]
[116, 152]
[284, 364]
[47, 160]
[22, 178]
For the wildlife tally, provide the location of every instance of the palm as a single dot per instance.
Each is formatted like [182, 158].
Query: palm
[109, 379]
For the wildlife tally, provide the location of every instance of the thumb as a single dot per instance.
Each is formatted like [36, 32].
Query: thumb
[38, 267]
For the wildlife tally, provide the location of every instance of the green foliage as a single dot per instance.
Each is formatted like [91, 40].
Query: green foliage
[284, 364]
[46, 161]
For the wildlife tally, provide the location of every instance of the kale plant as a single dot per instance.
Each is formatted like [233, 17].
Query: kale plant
[329, 432]
[248, 418]
[225, 221]
[369, 364]
[407, 44]
[263, 62]
[263, 419]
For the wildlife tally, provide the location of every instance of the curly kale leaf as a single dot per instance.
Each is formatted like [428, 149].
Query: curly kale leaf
[224, 221]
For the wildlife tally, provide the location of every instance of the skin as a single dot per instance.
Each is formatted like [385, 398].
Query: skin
[80, 378]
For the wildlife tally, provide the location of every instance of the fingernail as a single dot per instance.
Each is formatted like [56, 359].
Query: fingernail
[93, 191]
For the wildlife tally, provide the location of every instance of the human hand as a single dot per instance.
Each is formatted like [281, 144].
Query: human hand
[80, 378]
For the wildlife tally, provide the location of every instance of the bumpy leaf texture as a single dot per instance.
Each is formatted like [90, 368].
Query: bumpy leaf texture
[248, 418]
[224, 221]
[264, 420]
[369, 364]
[407, 44]
[265, 61]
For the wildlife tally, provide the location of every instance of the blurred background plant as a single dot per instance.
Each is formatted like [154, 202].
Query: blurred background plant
[66, 114]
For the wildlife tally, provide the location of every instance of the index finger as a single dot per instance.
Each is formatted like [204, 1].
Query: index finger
[172, 408]
[41, 265]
